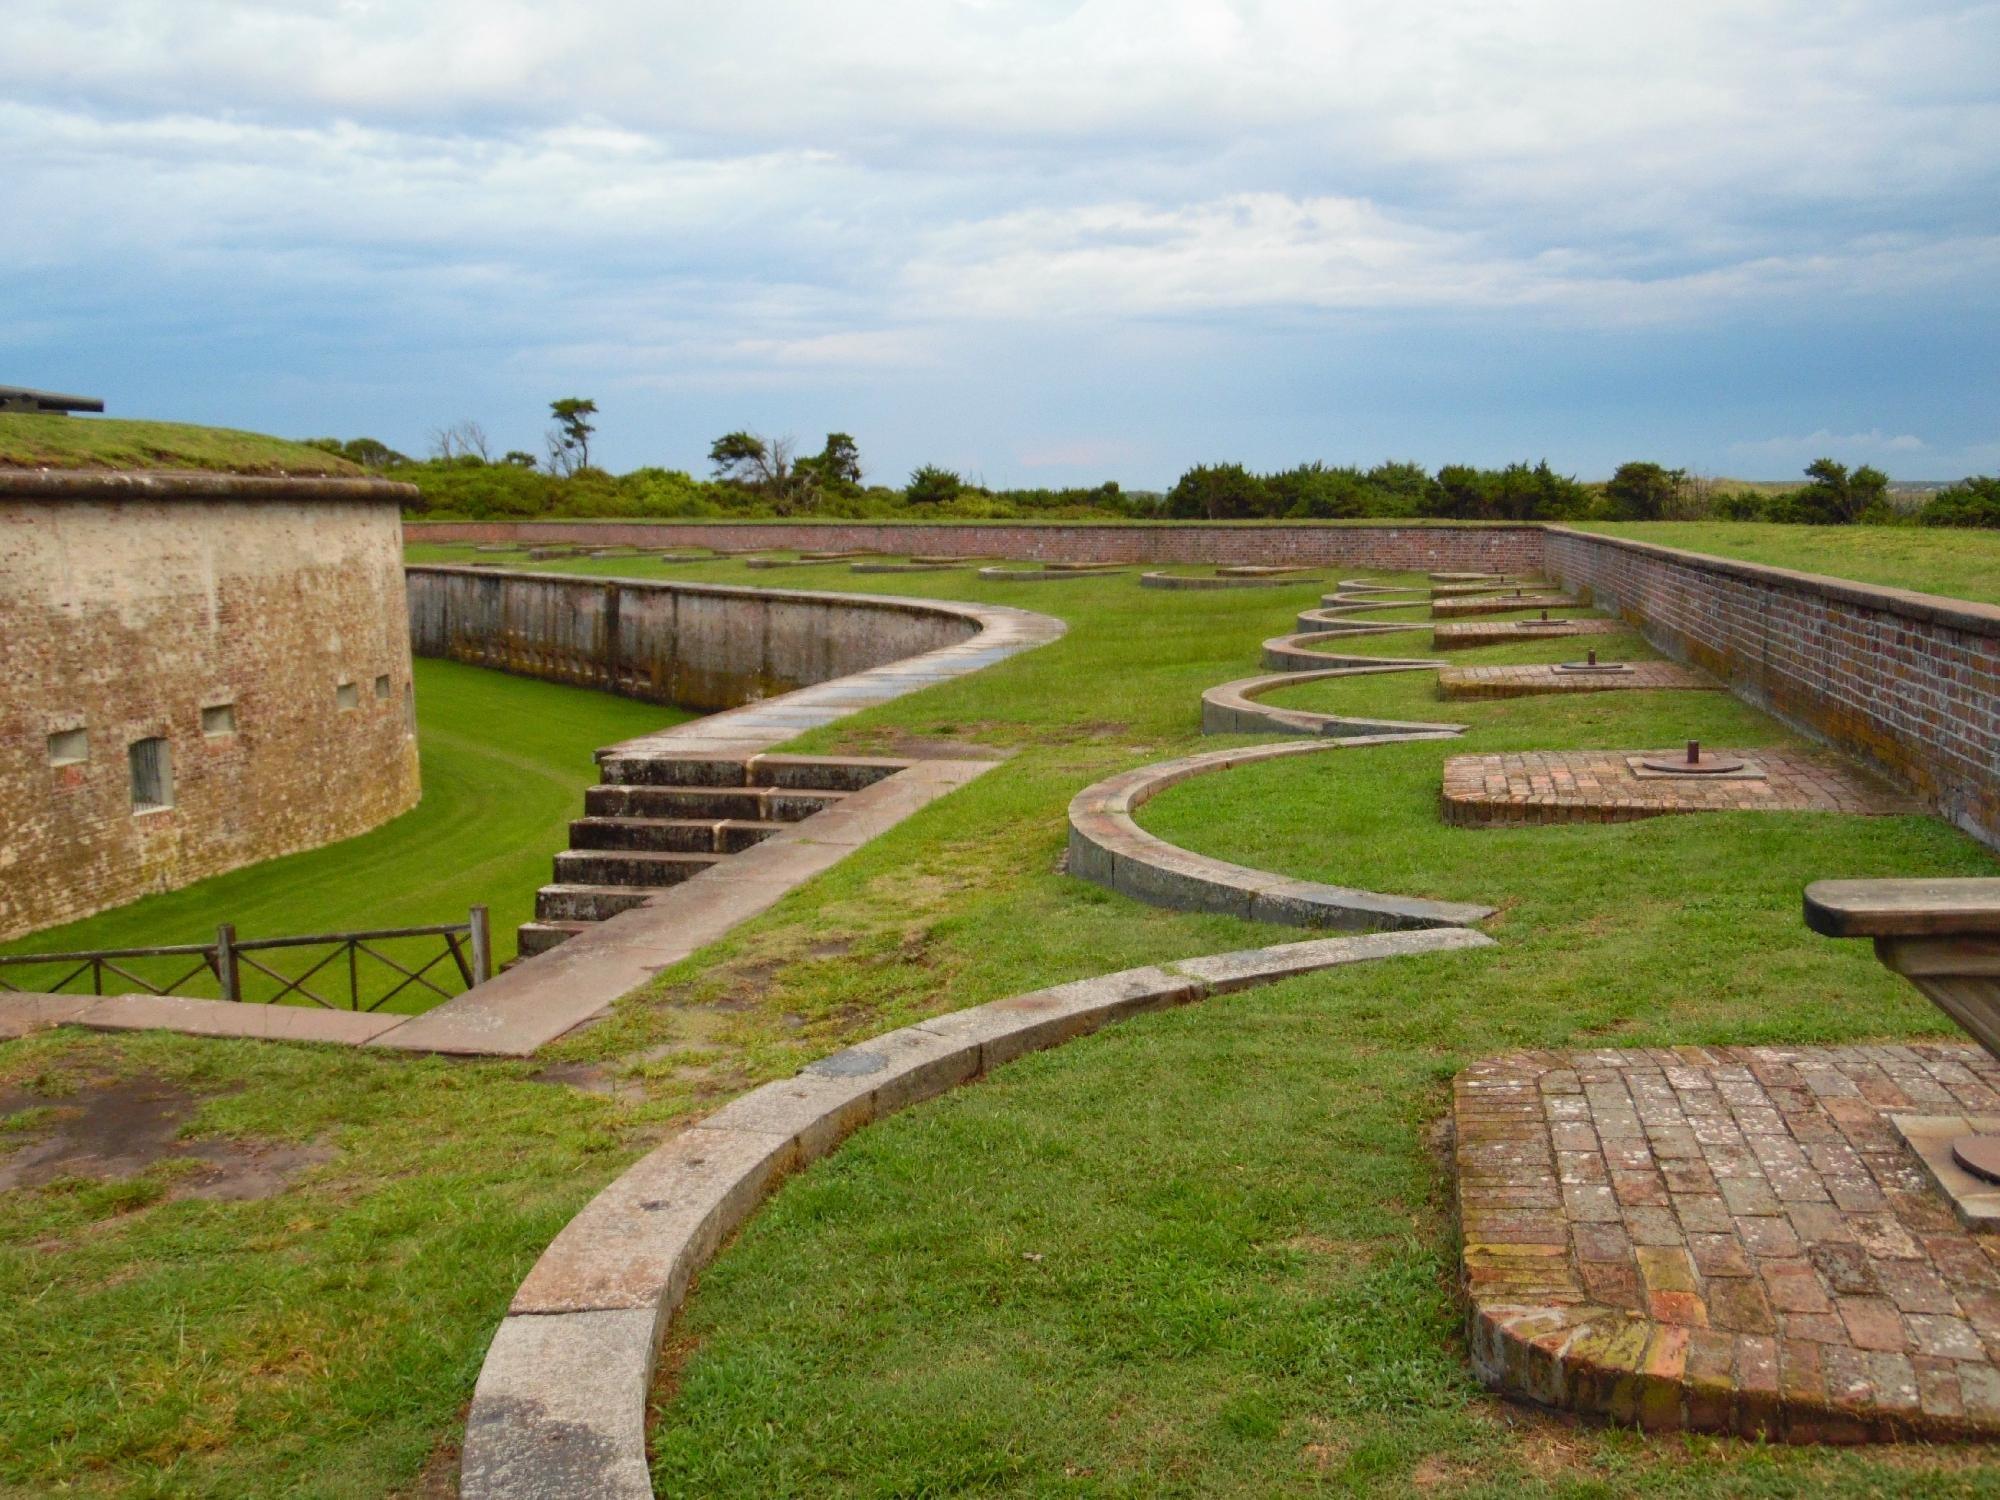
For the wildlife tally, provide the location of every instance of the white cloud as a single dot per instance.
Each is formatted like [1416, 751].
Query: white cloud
[1874, 445]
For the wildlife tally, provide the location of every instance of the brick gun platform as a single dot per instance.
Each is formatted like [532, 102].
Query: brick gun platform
[1728, 1240]
[1507, 632]
[1523, 682]
[1604, 786]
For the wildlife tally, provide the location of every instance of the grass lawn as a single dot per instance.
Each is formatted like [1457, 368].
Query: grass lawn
[1201, 1253]
[30, 440]
[1963, 564]
[505, 762]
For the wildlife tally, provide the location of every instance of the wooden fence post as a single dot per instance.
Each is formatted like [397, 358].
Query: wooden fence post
[482, 946]
[226, 973]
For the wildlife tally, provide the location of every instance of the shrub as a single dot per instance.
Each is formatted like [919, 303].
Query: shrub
[1970, 502]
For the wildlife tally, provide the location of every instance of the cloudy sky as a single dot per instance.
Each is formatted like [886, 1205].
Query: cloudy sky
[1036, 240]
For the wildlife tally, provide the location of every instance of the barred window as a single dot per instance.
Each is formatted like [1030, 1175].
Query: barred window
[152, 775]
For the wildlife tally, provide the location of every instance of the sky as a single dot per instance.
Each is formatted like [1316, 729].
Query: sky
[1038, 242]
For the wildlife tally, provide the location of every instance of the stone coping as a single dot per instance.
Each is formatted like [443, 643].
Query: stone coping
[1728, 1240]
[1230, 707]
[1108, 848]
[1294, 653]
[1608, 786]
[23, 1013]
[560, 1405]
[191, 484]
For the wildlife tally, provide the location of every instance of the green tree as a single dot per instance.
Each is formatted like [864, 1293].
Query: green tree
[569, 439]
[1218, 492]
[1834, 497]
[931, 485]
[1970, 502]
[1644, 492]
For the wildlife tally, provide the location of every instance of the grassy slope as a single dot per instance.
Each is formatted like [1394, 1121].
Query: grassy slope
[1962, 564]
[31, 441]
[505, 761]
[1241, 1282]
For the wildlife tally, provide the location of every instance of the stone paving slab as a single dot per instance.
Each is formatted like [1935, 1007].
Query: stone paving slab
[1730, 1240]
[1500, 604]
[1527, 681]
[23, 1013]
[270, 1023]
[1605, 786]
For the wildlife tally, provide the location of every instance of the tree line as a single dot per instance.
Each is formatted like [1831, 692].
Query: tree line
[752, 474]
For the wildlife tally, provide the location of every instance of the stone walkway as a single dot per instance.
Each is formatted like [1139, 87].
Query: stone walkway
[1507, 632]
[1609, 786]
[1728, 1240]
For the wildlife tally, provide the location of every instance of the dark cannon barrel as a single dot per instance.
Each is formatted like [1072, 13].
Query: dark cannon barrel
[21, 398]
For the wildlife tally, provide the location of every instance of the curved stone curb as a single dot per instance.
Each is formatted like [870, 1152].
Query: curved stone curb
[907, 567]
[1223, 580]
[1107, 848]
[560, 1407]
[1336, 617]
[1345, 603]
[1229, 707]
[1048, 575]
[1294, 653]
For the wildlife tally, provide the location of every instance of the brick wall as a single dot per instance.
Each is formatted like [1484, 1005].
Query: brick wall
[1909, 682]
[1402, 548]
[125, 610]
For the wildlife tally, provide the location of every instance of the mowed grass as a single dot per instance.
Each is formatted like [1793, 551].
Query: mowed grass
[30, 440]
[1959, 563]
[1202, 1253]
[504, 761]
[1208, 1252]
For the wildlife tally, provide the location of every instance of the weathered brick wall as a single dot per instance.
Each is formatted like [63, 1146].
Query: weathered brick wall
[1420, 548]
[1910, 682]
[702, 646]
[126, 610]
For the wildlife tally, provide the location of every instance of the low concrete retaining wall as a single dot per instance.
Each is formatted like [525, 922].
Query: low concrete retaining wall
[700, 646]
[1909, 682]
[1402, 548]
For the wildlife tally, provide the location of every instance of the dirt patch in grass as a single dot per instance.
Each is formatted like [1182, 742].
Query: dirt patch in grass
[113, 1129]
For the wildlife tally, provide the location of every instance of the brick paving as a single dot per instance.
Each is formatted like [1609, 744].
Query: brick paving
[1496, 604]
[1507, 632]
[1728, 1239]
[1605, 786]
[1522, 682]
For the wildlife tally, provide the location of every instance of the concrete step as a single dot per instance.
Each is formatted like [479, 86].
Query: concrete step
[745, 804]
[635, 867]
[531, 938]
[792, 772]
[680, 835]
[587, 903]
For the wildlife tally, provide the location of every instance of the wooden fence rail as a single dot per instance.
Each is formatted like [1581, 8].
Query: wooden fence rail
[468, 945]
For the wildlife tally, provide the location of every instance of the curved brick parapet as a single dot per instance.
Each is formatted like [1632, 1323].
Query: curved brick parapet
[1231, 707]
[1108, 848]
[560, 1407]
[1726, 1240]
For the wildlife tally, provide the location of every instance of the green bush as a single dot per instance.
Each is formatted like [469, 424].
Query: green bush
[1970, 502]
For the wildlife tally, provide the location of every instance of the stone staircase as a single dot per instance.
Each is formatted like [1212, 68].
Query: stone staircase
[657, 820]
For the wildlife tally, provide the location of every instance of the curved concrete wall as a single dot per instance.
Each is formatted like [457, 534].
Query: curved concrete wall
[132, 603]
[700, 646]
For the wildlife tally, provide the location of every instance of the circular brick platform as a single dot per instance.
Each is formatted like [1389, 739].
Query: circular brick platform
[1508, 632]
[1728, 1240]
[1609, 786]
